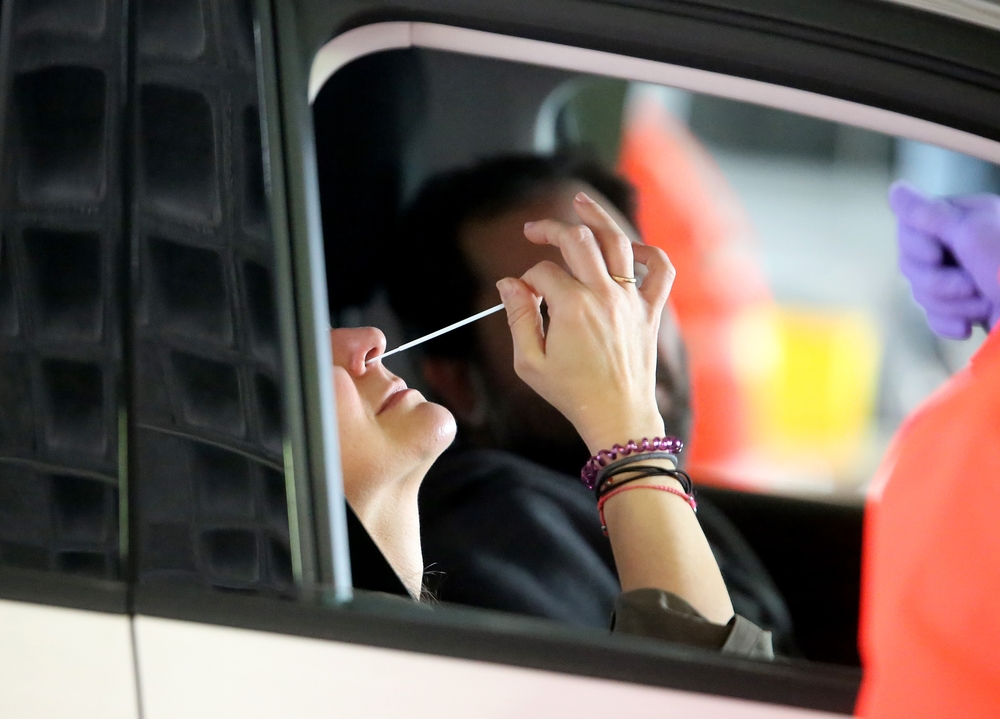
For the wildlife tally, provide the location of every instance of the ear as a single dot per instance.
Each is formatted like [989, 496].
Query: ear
[453, 381]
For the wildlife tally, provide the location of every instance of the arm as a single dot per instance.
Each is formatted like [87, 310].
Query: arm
[658, 543]
[595, 362]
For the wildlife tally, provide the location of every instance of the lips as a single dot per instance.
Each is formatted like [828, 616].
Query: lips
[396, 390]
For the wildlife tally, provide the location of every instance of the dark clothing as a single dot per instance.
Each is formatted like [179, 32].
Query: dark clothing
[657, 614]
[501, 532]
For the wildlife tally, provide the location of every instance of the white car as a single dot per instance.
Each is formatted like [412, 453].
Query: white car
[173, 536]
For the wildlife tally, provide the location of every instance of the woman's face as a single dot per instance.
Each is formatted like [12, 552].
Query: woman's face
[387, 431]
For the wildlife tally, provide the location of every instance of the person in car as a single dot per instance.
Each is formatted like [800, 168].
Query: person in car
[593, 357]
[929, 630]
[506, 525]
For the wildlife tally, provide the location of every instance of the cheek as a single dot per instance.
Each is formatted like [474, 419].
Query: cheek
[349, 411]
[353, 425]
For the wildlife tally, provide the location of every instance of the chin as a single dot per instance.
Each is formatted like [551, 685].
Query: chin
[439, 427]
[419, 429]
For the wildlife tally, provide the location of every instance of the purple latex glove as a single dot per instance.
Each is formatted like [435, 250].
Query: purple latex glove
[934, 235]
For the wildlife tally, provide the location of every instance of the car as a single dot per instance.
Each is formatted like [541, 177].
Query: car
[173, 534]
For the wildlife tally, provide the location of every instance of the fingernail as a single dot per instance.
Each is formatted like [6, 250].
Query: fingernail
[503, 287]
[528, 225]
[584, 198]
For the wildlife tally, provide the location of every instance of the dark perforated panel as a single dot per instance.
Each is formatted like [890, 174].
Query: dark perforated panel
[60, 326]
[211, 493]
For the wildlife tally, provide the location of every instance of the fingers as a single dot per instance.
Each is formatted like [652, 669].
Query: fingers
[919, 246]
[948, 296]
[550, 282]
[936, 282]
[615, 245]
[525, 320]
[972, 309]
[594, 250]
[578, 247]
[915, 210]
[955, 328]
[905, 199]
[660, 276]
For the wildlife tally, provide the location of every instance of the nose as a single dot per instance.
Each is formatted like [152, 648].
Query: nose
[352, 346]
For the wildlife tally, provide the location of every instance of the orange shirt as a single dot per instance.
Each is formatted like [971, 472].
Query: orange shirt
[930, 625]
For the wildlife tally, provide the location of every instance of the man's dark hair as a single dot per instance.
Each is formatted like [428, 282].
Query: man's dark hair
[430, 283]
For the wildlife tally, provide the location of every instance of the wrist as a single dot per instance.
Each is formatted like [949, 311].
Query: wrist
[606, 440]
[645, 481]
[621, 432]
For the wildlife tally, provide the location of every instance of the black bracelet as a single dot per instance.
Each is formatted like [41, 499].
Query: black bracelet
[644, 473]
[651, 470]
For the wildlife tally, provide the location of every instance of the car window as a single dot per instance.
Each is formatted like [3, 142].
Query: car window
[802, 349]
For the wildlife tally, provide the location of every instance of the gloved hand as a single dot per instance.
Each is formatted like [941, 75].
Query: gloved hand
[949, 250]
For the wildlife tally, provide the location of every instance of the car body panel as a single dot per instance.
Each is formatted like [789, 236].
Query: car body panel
[58, 661]
[197, 670]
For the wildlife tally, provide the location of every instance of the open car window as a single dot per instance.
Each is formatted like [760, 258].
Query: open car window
[803, 349]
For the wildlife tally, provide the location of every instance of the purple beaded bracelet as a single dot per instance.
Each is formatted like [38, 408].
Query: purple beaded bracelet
[657, 444]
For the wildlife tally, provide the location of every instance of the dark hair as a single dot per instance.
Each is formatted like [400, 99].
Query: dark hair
[430, 283]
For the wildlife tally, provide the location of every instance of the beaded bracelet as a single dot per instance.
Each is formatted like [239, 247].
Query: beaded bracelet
[588, 475]
[608, 484]
[662, 487]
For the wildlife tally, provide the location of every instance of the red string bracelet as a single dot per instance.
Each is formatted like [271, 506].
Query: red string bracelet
[689, 498]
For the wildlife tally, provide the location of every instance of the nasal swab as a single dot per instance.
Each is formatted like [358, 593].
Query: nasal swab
[438, 333]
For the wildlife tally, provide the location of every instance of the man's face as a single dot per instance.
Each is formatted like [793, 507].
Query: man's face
[520, 420]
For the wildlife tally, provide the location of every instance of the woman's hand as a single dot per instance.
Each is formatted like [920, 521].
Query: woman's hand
[596, 363]
[596, 360]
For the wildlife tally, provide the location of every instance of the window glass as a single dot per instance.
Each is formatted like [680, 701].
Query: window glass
[208, 462]
[60, 295]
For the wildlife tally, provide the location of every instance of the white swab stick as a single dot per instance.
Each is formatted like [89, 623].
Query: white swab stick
[438, 333]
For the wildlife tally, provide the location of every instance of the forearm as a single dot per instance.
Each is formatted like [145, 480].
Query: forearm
[658, 543]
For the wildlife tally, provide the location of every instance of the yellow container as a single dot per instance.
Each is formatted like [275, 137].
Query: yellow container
[810, 377]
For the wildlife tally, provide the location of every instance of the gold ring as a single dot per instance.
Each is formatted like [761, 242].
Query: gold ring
[625, 280]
